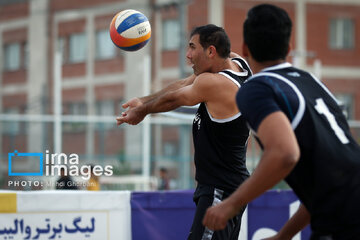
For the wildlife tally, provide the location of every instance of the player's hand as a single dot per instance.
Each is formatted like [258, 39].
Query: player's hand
[134, 102]
[133, 116]
[216, 217]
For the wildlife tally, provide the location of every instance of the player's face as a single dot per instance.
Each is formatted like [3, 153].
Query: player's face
[197, 56]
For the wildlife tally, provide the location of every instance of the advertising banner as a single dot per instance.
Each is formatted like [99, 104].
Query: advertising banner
[55, 225]
[162, 216]
[70, 215]
[124, 215]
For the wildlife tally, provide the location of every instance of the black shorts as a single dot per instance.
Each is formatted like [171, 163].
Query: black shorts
[204, 197]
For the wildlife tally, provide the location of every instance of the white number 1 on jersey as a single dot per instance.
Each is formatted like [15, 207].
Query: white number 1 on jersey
[321, 108]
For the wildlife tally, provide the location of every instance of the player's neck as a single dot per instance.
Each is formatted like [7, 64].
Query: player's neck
[222, 64]
[258, 66]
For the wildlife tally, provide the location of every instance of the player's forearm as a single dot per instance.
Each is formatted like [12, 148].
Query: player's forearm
[162, 103]
[295, 224]
[172, 87]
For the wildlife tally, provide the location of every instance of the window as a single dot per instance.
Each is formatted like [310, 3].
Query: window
[11, 127]
[12, 57]
[171, 32]
[77, 48]
[77, 108]
[105, 108]
[346, 103]
[169, 149]
[105, 49]
[342, 33]
[26, 55]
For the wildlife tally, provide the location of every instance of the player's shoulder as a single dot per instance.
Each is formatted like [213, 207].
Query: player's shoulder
[209, 80]
[206, 77]
[255, 86]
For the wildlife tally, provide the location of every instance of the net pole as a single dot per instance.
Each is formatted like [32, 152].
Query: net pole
[146, 125]
[57, 103]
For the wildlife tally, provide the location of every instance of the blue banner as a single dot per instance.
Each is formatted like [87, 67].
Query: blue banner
[168, 215]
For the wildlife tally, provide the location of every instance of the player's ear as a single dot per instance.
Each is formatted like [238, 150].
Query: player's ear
[211, 51]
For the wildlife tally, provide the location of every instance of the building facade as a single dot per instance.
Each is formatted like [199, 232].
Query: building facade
[60, 68]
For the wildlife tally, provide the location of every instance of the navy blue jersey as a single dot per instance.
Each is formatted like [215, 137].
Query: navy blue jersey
[327, 177]
[220, 144]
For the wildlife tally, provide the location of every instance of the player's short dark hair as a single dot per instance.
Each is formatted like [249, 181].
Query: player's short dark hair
[267, 31]
[213, 35]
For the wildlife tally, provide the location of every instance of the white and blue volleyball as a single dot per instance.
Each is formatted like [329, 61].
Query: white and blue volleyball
[130, 30]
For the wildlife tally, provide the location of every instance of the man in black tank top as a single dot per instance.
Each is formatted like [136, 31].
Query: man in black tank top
[305, 137]
[220, 133]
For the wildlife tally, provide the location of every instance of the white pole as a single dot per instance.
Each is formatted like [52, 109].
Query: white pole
[317, 68]
[300, 34]
[57, 103]
[146, 125]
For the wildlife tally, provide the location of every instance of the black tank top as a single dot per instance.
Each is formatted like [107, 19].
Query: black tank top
[220, 144]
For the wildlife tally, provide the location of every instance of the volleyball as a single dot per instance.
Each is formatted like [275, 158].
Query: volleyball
[130, 30]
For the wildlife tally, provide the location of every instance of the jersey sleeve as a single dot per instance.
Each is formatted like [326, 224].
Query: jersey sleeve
[255, 101]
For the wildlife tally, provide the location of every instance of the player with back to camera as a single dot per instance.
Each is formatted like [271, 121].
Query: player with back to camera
[219, 132]
[304, 134]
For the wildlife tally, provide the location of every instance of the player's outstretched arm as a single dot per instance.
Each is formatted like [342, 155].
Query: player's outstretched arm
[281, 153]
[172, 98]
[171, 87]
[138, 101]
[295, 224]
